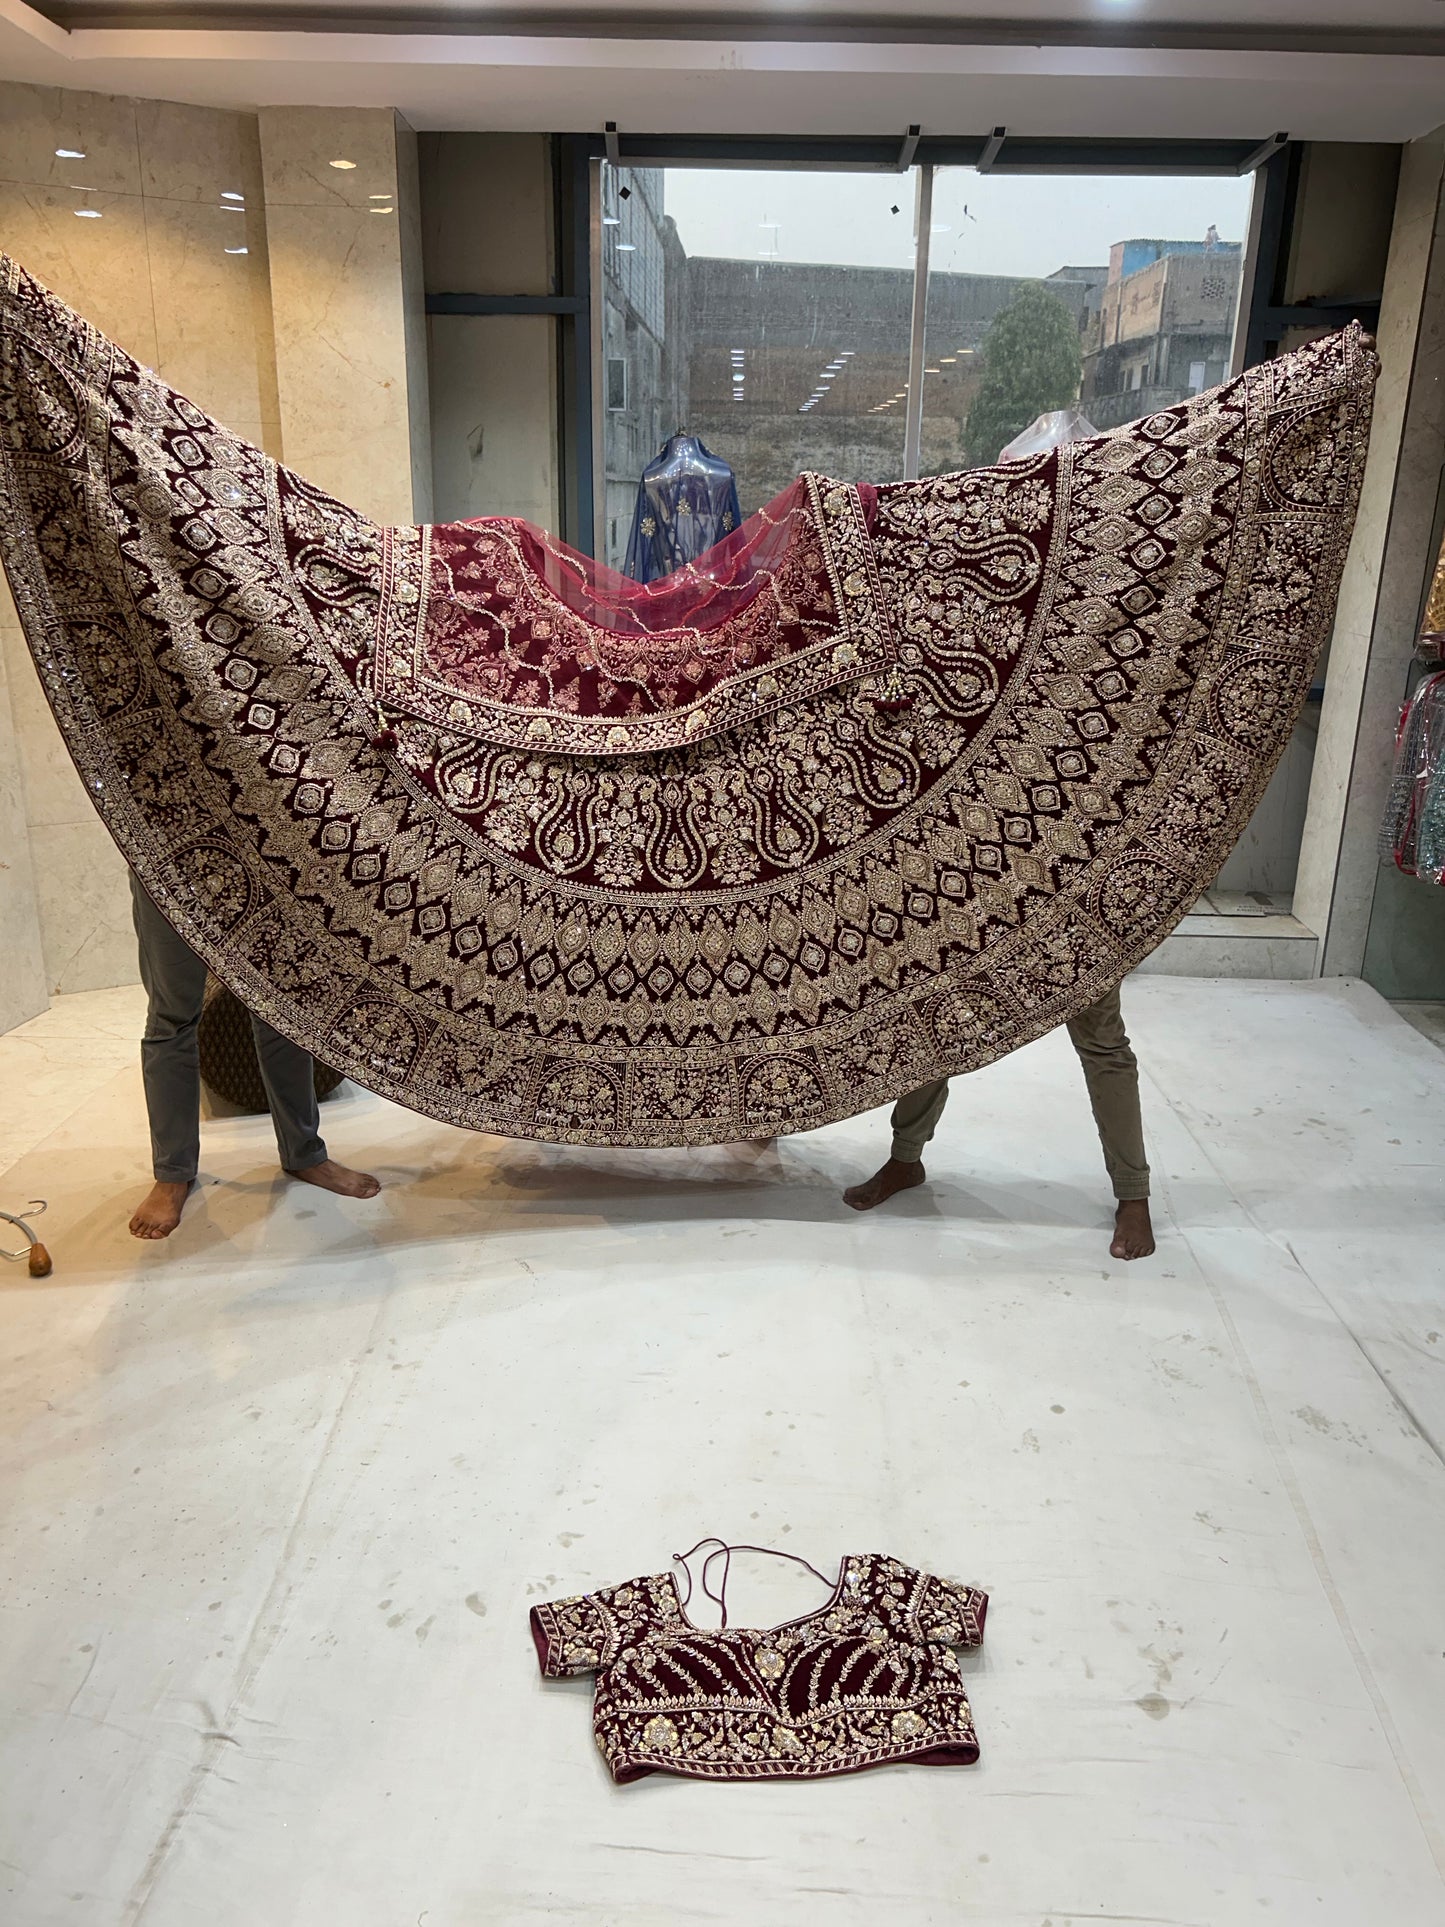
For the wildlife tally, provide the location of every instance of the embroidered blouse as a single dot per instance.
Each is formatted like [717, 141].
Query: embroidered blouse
[867, 1679]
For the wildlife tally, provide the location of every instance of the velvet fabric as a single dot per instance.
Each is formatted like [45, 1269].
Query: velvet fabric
[889, 783]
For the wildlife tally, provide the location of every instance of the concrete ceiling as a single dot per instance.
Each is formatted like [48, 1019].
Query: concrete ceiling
[1322, 69]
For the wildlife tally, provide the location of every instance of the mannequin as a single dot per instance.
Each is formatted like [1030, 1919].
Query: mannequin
[687, 500]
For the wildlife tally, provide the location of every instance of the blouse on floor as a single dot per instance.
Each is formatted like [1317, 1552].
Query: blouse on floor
[867, 1679]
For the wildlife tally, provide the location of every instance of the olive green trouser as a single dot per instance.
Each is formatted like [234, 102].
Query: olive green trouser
[1111, 1073]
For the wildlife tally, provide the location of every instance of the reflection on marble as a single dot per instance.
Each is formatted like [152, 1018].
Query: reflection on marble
[98, 266]
[279, 1493]
[197, 153]
[208, 344]
[35, 121]
[298, 145]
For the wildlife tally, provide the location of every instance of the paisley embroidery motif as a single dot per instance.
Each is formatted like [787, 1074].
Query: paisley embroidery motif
[956, 768]
[867, 1679]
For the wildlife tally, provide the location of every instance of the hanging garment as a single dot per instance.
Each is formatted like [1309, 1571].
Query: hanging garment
[686, 501]
[867, 1679]
[903, 778]
[1413, 838]
[1047, 431]
[1432, 627]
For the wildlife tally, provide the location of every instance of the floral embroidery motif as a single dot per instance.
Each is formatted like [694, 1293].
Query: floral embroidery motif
[959, 765]
[867, 1680]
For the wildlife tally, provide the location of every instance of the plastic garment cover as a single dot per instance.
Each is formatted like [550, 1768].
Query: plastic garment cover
[1048, 431]
[686, 501]
[1413, 838]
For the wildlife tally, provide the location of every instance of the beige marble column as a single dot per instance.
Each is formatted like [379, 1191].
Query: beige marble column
[23, 989]
[1384, 582]
[343, 230]
[147, 217]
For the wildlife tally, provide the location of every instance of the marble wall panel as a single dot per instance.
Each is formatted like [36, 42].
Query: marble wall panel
[299, 145]
[413, 295]
[197, 153]
[347, 393]
[1332, 903]
[207, 342]
[99, 265]
[83, 894]
[23, 988]
[153, 267]
[100, 128]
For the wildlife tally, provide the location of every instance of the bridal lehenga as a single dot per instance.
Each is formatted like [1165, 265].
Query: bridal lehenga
[889, 782]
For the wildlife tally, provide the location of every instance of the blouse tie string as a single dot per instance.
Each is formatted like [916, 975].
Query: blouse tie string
[724, 1551]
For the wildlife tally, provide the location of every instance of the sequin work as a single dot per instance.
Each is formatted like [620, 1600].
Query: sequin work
[866, 1680]
[921, 790]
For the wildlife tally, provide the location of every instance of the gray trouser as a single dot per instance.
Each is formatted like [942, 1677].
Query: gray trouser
[1111, 1073]
[175, 982]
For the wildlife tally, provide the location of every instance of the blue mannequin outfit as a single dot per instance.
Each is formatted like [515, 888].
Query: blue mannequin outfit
[687, 500]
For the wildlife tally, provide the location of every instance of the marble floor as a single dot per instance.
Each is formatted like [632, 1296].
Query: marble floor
[275, 1497]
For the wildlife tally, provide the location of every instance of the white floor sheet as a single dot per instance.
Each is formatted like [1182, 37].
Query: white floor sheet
[275, 1496]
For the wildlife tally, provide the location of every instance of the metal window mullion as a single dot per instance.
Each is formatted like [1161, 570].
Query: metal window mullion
[913, 412]
[597, 426]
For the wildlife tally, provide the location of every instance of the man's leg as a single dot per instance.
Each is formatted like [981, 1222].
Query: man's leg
[1111, 1073]
[290, 1079]
[175, 983]
[915, 1118]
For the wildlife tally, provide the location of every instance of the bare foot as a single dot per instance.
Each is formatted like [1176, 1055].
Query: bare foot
[895, 1176]
[1133, 1230]
[159, 1211]
[340, 1178]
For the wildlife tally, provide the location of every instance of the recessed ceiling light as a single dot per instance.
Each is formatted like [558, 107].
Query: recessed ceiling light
[611, 220]
[230, 194]
[69, 154]
[238, 250]
[947, 361]
[627, 247]
[381, 210]
[229, 207]
[378, 197]
[87, 214]
[346, 165]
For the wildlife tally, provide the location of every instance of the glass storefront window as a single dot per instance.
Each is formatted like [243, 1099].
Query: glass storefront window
[766, 313]
[1120, 291]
